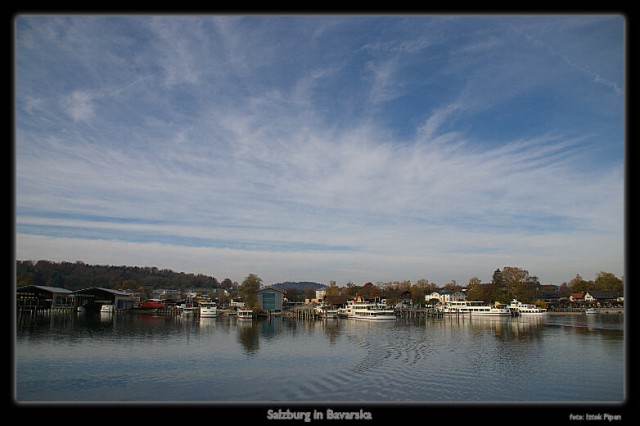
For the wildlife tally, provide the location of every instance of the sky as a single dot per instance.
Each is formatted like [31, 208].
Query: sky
[347, 148]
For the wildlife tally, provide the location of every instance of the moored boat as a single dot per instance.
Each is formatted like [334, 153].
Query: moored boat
[208, 309]
[245, 314]
[107, 308]
[371, 311]
[151, 304]
[188, 309]
[474, 308]
[518, 308]
[326, 311]
[591, 311]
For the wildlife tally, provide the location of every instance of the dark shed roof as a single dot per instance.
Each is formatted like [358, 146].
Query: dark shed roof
[42, 289]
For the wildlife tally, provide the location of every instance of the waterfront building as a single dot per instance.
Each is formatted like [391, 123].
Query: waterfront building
[40, 297]
[270, 299]
[445, 295]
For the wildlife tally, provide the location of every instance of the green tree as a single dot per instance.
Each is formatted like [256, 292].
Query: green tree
[248, 290]
[607, 281]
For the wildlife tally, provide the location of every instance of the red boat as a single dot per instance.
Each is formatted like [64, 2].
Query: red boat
[152, 304]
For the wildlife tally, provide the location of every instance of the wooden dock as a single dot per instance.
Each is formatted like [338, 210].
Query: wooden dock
[306, 312]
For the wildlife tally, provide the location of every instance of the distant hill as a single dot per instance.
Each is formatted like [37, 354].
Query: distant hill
[298, 285]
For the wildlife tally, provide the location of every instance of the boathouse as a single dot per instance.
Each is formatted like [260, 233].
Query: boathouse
[40, 297]
[94, 297]
[270, 299]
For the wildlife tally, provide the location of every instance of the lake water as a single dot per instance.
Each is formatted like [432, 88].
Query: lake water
[63, 358]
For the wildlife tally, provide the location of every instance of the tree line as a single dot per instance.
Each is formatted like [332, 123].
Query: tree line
[78, 275]
[506, 284]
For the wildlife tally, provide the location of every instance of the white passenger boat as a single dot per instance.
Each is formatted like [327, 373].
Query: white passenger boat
[473, 308]
[245, 314]
[371, 311]
[518, 308]
[208, 309]
[591, 311]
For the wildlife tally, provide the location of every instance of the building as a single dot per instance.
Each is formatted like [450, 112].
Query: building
[40, 297]
[604, 297]
[445, 295]
[270, 300]
[94, 297]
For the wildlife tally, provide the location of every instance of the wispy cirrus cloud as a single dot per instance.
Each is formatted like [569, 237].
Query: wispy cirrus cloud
[349, 149]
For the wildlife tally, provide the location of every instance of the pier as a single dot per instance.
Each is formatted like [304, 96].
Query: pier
[305, 312]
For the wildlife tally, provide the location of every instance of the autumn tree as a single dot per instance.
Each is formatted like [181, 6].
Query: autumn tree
[497, 290]
[420, 289]
[248, 290]
[332, 290]
[452, 285]
[579, 285]
[478, 291]
[369, 291]
[519, 284]
[473, 281]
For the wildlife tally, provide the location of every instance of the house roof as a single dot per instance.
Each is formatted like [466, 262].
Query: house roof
[98, 290]
[604, 294]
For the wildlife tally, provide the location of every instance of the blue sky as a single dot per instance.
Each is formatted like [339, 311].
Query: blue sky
[347, 148]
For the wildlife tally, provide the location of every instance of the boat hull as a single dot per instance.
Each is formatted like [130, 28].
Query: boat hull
[143, 311]
[374, 318]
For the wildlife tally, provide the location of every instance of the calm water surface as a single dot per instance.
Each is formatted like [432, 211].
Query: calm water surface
[142, 358]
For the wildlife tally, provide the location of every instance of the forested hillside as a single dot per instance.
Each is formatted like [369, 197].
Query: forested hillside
[78, 275]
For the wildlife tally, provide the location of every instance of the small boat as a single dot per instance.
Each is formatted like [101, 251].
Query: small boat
[245, 314]
[151, 304]
[188, 311]
[326, 311]
[107, 308]
[591, 311]
[519, 308]
[208, 309]
[188, 308]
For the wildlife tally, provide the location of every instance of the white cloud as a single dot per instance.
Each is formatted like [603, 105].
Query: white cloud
[218, 143]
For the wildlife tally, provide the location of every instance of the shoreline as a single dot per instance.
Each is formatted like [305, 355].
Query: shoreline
[601, 311]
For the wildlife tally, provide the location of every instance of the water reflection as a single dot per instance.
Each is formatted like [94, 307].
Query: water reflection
[207, 323]
[248, 336]
[250, 333]
[140, 357]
